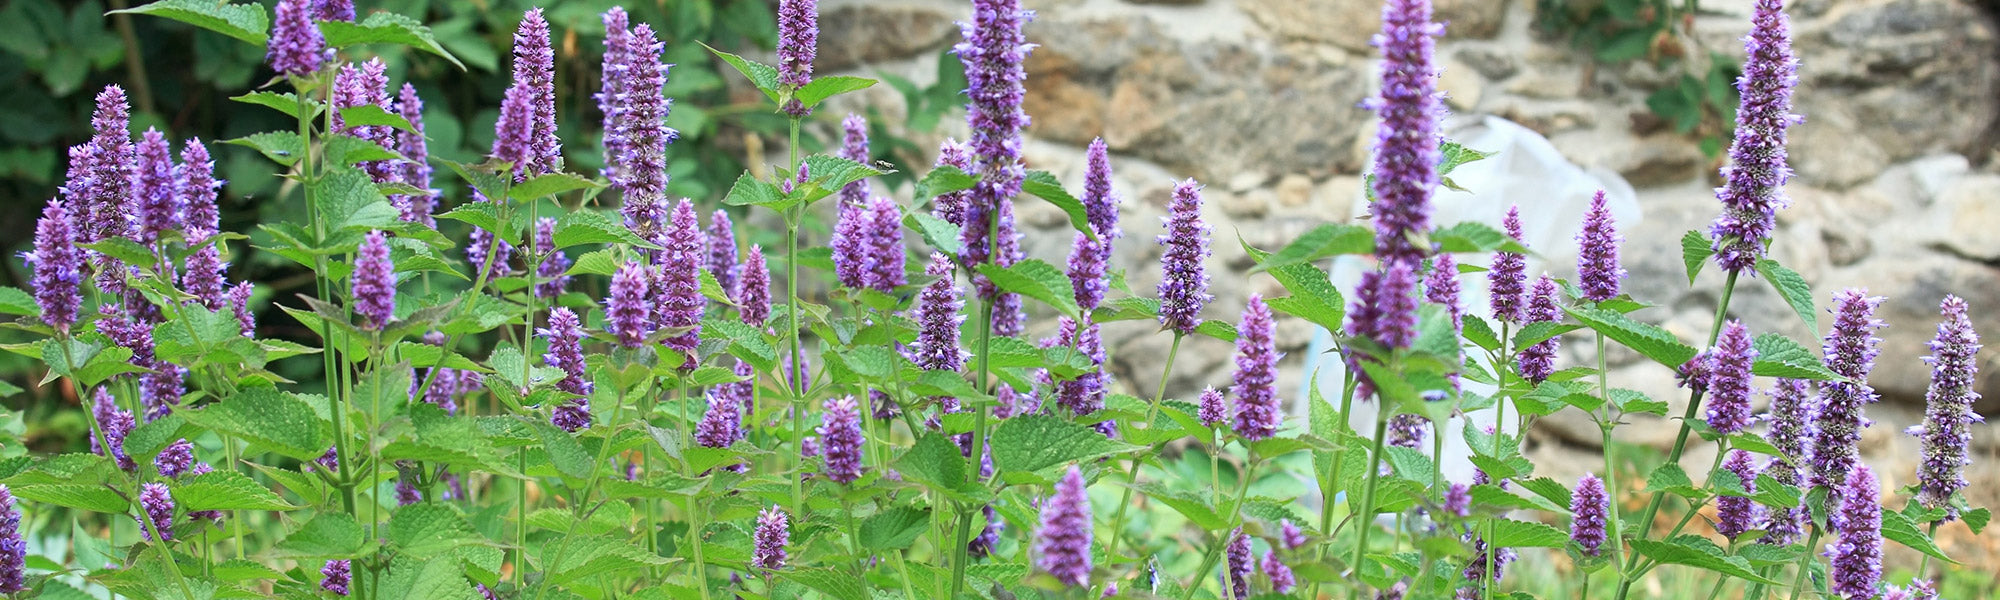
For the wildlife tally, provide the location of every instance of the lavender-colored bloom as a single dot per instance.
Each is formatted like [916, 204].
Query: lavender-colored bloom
[367, 86]
[1458, 500]
[1589, 507]
[565, 335]
[58, 278]
[636, 132]
[1406, 143]
[938, 315]
[1727, 379]
[160, 389]
[1849, 351]
[514, 133]
[1790, 418]
[1100, 202]
[159, 198]
[1538, 362]
[722, 425]
[1734, 514]
[1183, 284]
[417, 170]
[1289, 535]
[1946, 431]
[374, 282]
[534, 67]
[296, 47]
[1756, 174]
[239, 302]
[1384, 311]
[407, 492]
[678, 291]
[850, 246]
[336, 576]
[1282, 580]
[330, 460]
[951, 206]
[1507, 281]
[1474, 573]
[114, 423]
[333, 10]
[1087, 266]
[1855, 558]
[1212, 408]
[722, 253]
[774, 533]
[13, 550]
[1062, 544]
[1597, 270]
[616, 64]
[203, 278]
[158, 506]
[993, 50]
[553, 278]
[798, 41]
[755, 297]
[1258, 412]
[1010, 319]
[885, 245]
[175, 460]
[1407, 430]
[1084, 394]
[113, 164]
[809, 447]
[840, 427]
[854, 147]
[982, 545]
[1441, 287]
[1240, 563]
[196, 184]
[628, 312]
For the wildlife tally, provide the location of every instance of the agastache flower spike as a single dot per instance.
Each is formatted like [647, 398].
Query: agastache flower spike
[552, 279]
[951, 206]
[1406, 143]
[1507, 280]
[417, 170]
[374, 282]
[1258, 412]
[722, 425]
[854, 147]
[680, 304]
[1282, 580]
[774, 533]
[196, 185]
[638, 133]
[1062, 544]
[1727, 378]
[1538, 362]
[1385, 311]
[565, 335]
[618, 56]
[938, 315]
[159, 200]
[989, 536]
[840, 428]
[1590, 508]
[1289, 535]
[1855, 558]
[885, 249]
[1753, 189]
[296, 47]
[755, 297]
[13, 550]
[1407, 430]
[1946, 431]
[158, 505]
[115, 424]
[113, 168]
[1009, 318]
[628, 311]
[175, 460]
[850, 246]
[722, 253]
[1183, 284]
[1734, 514]
[1849, 351]
[334, 10]
[239, 302]
[514, 132]
[1240, 563]
[336, 576]
[1597, 270]
[534, 67]
[1212, 408]
[1790, 418]
[1458, 500]
[1087, 268]
[367, 85]
[58, 278]
[798, 41]
[993, 51]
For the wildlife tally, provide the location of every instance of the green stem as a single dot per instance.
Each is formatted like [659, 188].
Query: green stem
[589, 487]
[903, 571]
[1610, 466]
[1215, 549]
[794, 380]
[1159, 394]
[1366, 510]
[1327, 486]
[1799, 583]
[1924, 566]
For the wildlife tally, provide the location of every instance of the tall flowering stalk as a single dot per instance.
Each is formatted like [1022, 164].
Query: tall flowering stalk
[1240, 563]
[1735, 515]
[755, 297]
[773, 535]
[722, 425]
[1406, 143]
[1850, 351]
[295, 46]
[885, 247]
[1507, 279]
[1538, 361]
[416, 172]
[1089, 259]
[722, 264]
[1597, 269]
[1791, 417]
[565, 336]
[1590, 508]
[1754, 180]
[157, 507]
[1258, 412]
[628, 312]
[58, 277]
[1062, 543]
[993, 51]
[195, 186]
[1855, 557]
[951, 206]
[374, 283]
[678, 301]
[840, 428]
[158, 206]
[1727, 378]
[636, 133]
[798, 42]
[854, 147]
[13, 550]
[534, 68]
[1183, 287]
[1946, 431]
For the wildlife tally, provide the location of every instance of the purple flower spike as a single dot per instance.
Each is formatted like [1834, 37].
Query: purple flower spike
[885, 245]
[938, 315]
[367, 85]
[774, 533]
[1009, 317]
[616, 67]
[514, 133]
[1407, 430]
[680, 304]
[851, 233]
[196, 186]
[1213, 408]
[1946, 431]
[374, 282]
[798, 41]
[1385, 311]
[1183, 285]
[552, 278]
[854, 147]
[336, 576]
[1753, 190]
[1282, 580]
[159, 197]
[722, 253]
[407, 492]
[1258, 412]
[1240, 563]
[13, 550]
[1855, 558]
[755, 297]
[417, 170]
[295, 47]
[989, 536]
[329, 460]
[722, 425]
[534, 67]
[112, 168]
[1538, 362]
[1597, 269]
[1062, 544]
[58, 278]
[992, 51]
[1441, 287]
[115, 424]
[636, 132]
[334, 10]
[1087, 266]
[1289, 535]
[1727, 378]
[1084, 394]
[951, 206]
[175, 460]
[565, 335]
[1100, 202]
[239, 302]
[1734, 514]
[1507, 281]
[158, 505]
[1791, 430]
[1458, 500]
[1589, 507]
[840, 428]
[1850, 350]
[629, 309]
[1406, 144]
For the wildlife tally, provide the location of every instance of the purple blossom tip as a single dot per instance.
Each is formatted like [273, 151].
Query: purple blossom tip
[1753, 189]
[1282, 580]
[374, 282]
[1212, 408]
[158, 505]
[854, 147]
[1406, 144]
[1507, 280]
[1183, 287]
[1849, 350]
[722, 254]
[196, 186]
[1258, 412]
[722, 425]
[534, 68]
[1735, 515]
[1538, 362]
[1726, 376]
[175, 460]
[678, 301]
[773, 534]
[295, 47]
[1589, 507]
[1290, 536]
[755, 300]
[416, 171]
[58, 267]
[1946, 431]
[336, 576]
[1240, 563]
[840, 427]
[1855, 557]
[1062, 544]
[628, 312]
[552, 278]
[1458, 500]
[798, 41]
[13, 549]
[156, 188]
[1597, 269]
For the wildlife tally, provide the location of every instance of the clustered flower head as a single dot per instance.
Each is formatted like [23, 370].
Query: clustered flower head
[1212, 408]
[1240, 563]
[336, 576]
[722, 425]
[552, 278]
[13, 550]
[1849, 351]
[628, 312]
[175, 460]
[938, 315]
[854, 147]
[196, 185]
[1597, 269]
[534, 69]
[1089, 259]
[157, 504]
[158, 196]
[1289, 535]
[1727, 378]
[334, 10]
[1258, 411]
[374, 282]
[1754, 180]
[1538, 361]
[1590, 509]
[1282, 580]
[798, 41]
[58, 277]
[678, 303]
[1407, 430]
[1406, 143]
[755, 296]
[1062, 543]
[296, 47]
[416, 171]
[1791, 417]
[840, 427]
[722, 264]
[1183, 284]
[1855, 557]
[565, 336]
[635, 122]
[1735, 515]
[773, 534]
[1507, 279]
[1946, 431]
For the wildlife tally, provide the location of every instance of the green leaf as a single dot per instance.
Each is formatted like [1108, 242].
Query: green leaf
[1537, 332]
[1648, 340]
[838, 585]
[935, 462]
[1199, 508]
[1036, 442]
[943, 179]
[1508, 533]
[1898, 528]
[13, 301]
[821, 88]
[942, 235]
[1672, 479]
[373, 115]
[1313, 295]
[287, 103]
[1976, 519]
[828, 174]
[567, 454]
[226, 490]
[266, 418]
[894, 529]
[751, 191]
[1776, 495]
[1708, 557]
[1695, 251]
[591, 556]
[85, 496]
[428, 528]
[1320, 242]
[765, 77]
[123, 249]
[594, 227]
[1780, 356]
[1792, 288]
[1041, 184]
[429, 575]
[281, 147]
[1473, 236]
[484, 215]
[1035, 279]
[1455, 155]
[148, 439]
[241, 21]
[327, 534]
[349, 200]
[550, 184]
[1491, 495]
[385, 28]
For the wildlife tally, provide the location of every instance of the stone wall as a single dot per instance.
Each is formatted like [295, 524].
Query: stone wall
[1259, 100]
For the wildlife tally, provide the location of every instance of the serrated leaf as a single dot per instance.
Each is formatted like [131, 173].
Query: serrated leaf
[1672, 479]
[564, 451]
[1899, 529]
[287, 103]
[1702, 558]
[1508, 533]
[427, 528]
[1320, 242]
[1034, 279]
[1042, 184]
[330, 535]
[226, 490]
[590, 556]
[943, 179]
[1036, 442]
[1792, 288]
[894, 529]
[550, 184]
[373, 115]
[245, 22]
[84, 496]
[1538, 332]
[1780, 356]
[267, 419]
[765, 77]
[1648, 340]
[751, 191]
[821, 88]
[1313, 295]
[942, 235]
[1473, 236]
[1197, 507]
[936, 462]
[385, 28]
[1695, 252]
[593, 227]
[833, 584]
